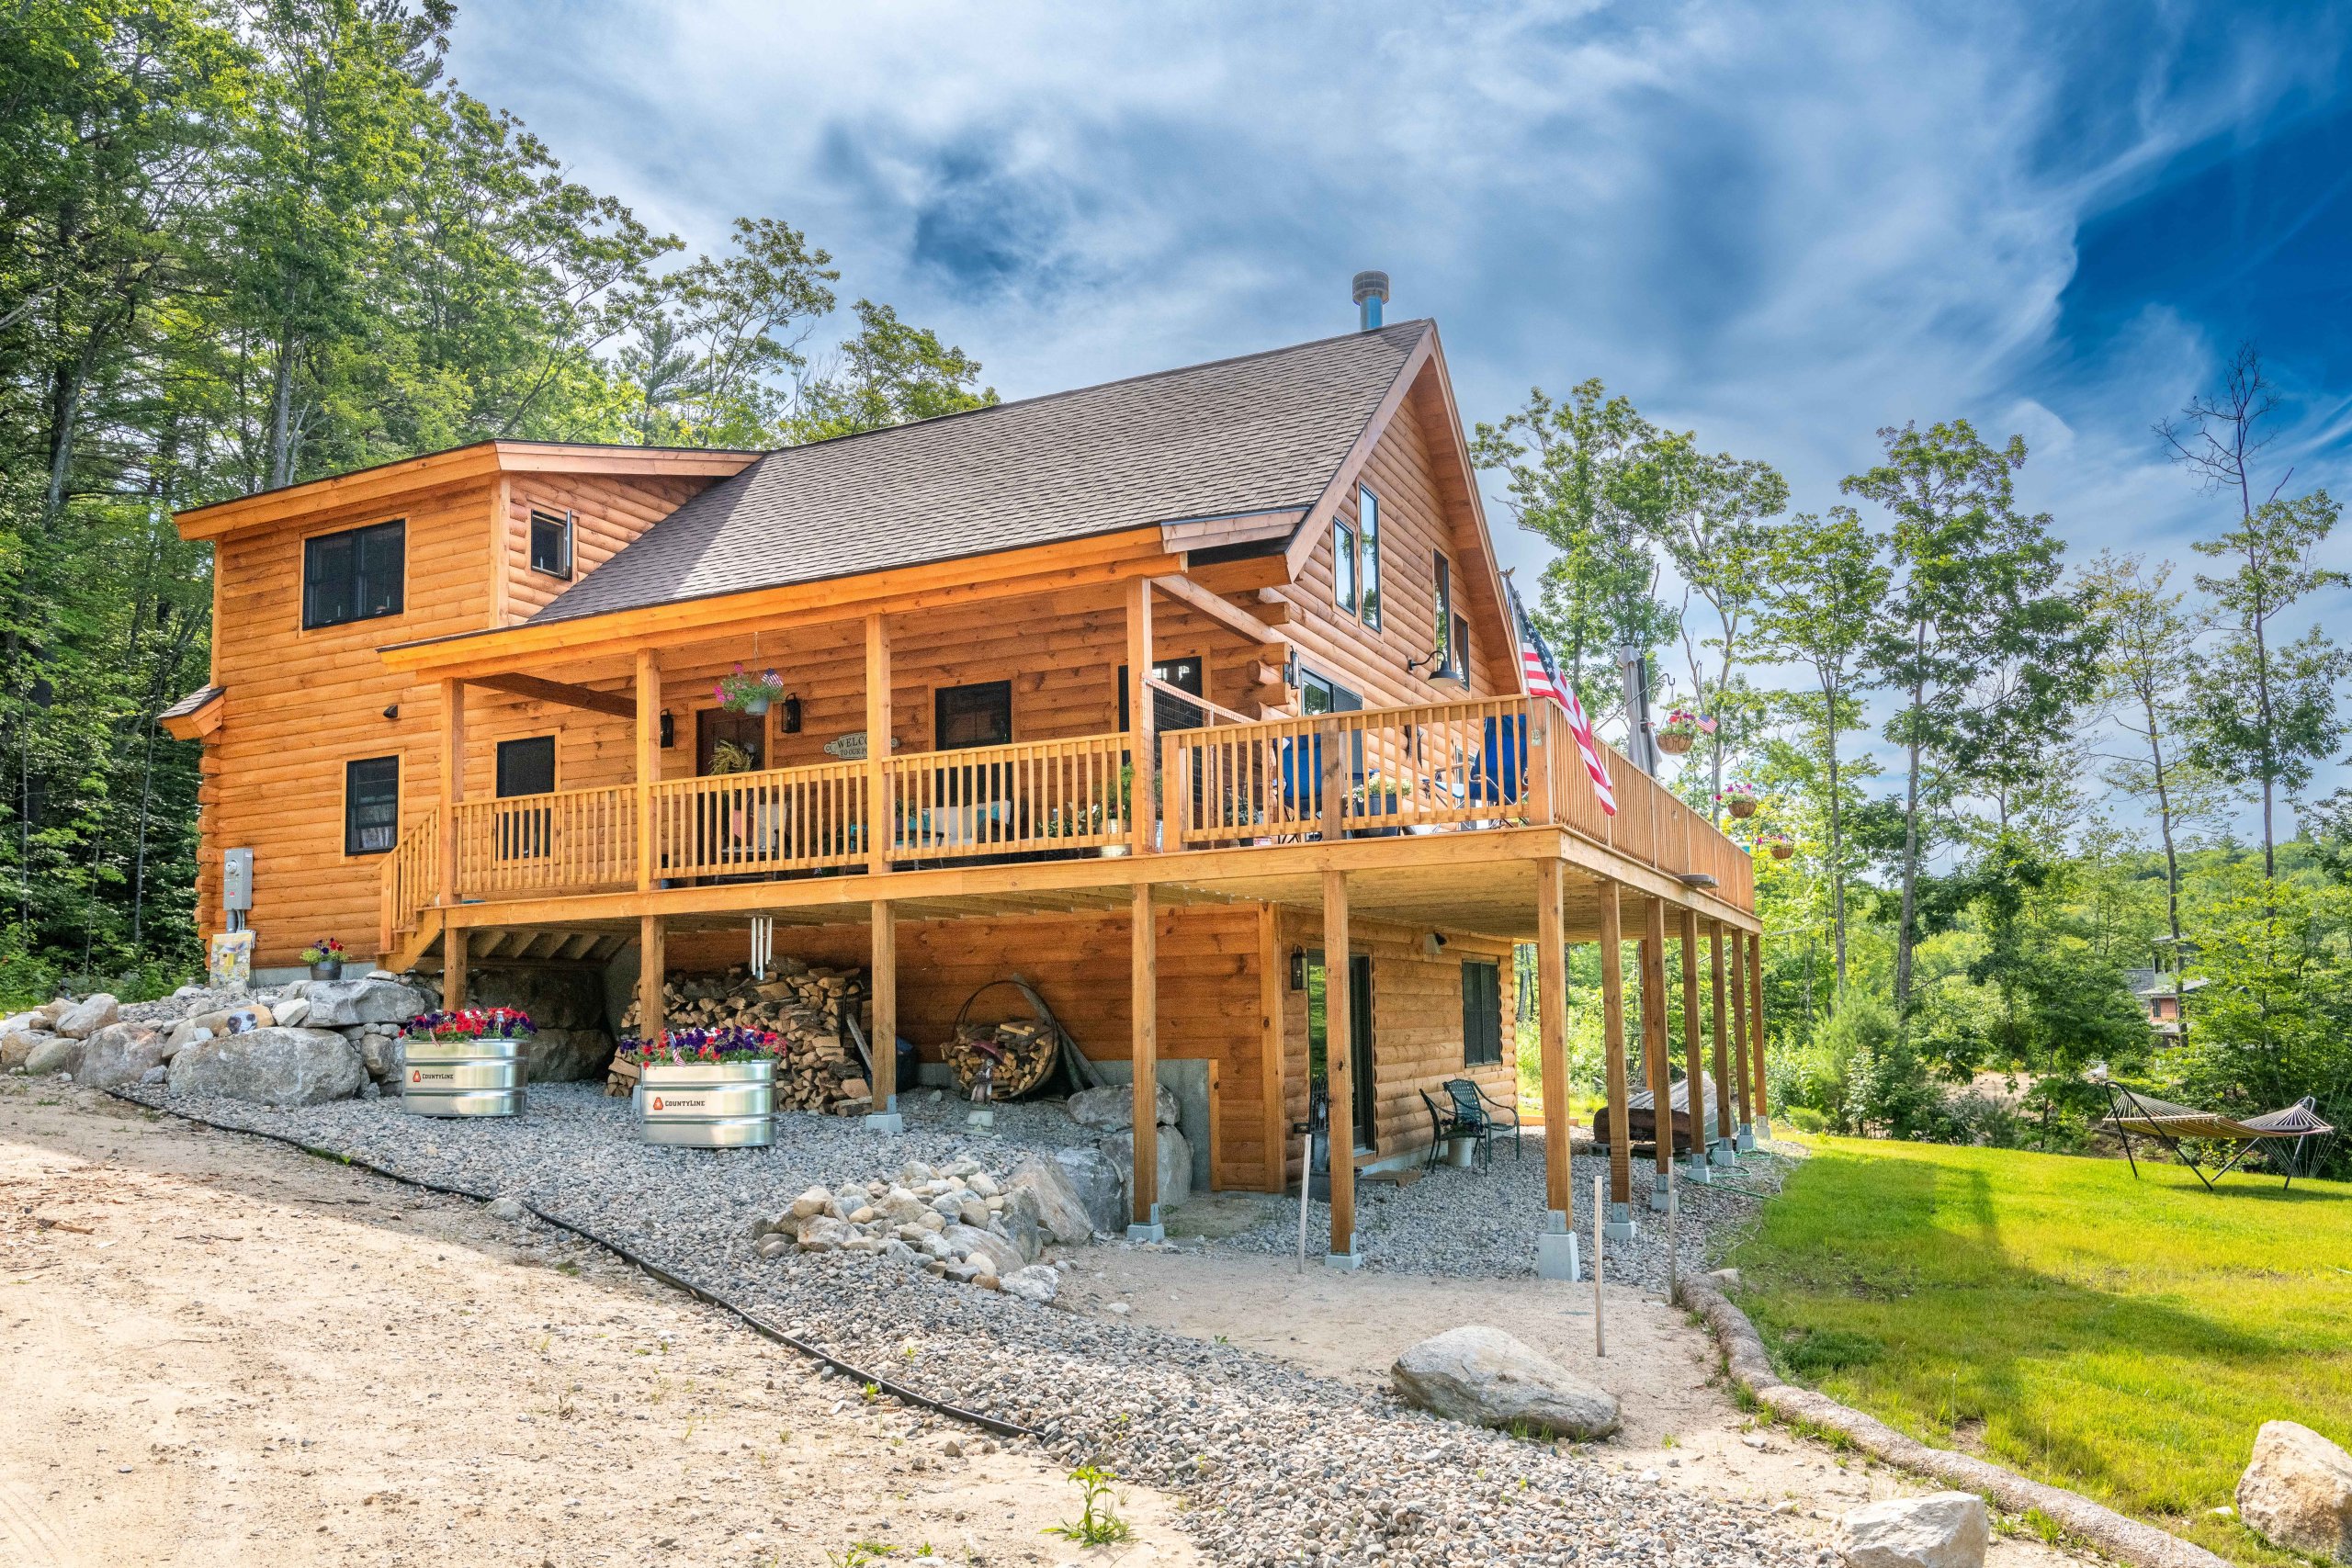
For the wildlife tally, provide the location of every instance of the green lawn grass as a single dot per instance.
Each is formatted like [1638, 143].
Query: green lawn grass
[2123, 1339]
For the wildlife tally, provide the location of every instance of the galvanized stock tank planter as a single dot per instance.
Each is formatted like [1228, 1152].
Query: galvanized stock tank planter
[465, 1063]
[706, 1088]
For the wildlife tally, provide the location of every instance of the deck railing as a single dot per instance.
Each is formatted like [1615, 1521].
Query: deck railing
[572, 840]
[1442, 766]
[411, 879]
[762, 824]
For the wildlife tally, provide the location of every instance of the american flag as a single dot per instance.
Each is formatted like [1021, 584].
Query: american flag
[1543, 680]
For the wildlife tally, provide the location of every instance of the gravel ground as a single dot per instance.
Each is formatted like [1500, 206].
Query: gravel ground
[1481, 1223]
[1279, 1466]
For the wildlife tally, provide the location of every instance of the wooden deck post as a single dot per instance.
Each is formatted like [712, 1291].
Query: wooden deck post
[453, 780]
[1694, 1066]
[1555, 1244]
[881, 814]
[1272, 1068]
[1744, 1138]
[1657, 1050]
[1723, 1152]
[1340, 1070]
[1620, 1225]
[1143, 750]
[1755, 1028]
[452, 968]
[651, 960]
[883, 983]
[648, 764]
[1143, 1005]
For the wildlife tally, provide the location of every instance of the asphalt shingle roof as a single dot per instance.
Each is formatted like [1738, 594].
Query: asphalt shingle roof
[1257, 433]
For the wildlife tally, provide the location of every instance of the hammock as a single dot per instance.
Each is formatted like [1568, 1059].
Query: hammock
[2168, 1123]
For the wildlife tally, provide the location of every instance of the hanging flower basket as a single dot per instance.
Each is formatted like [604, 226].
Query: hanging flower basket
[1681, 732]
[469, 1063]
[1739, 799]
[742, 691]
[1782, 847]
[706, 1088]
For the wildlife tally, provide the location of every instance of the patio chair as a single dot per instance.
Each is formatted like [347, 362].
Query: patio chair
[1474, 1106]
[1445, 1127]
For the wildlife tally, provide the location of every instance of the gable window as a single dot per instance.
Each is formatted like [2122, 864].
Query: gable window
[353, 576]
[1443, 640]
[1343, 567]
[1482, 1013]
[1368, 528]
[1457, 654]
[371, 806]
[978, 715]
[552, 542]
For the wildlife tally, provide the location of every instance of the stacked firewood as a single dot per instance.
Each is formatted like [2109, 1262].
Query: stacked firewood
[1017, 1056]
[808, 1006]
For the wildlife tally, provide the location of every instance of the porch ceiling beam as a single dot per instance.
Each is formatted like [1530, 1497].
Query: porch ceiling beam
[619, 705]
[1240, 621]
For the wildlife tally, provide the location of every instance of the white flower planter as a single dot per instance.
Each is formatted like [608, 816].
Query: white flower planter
[707, 1105]
[462, 1077]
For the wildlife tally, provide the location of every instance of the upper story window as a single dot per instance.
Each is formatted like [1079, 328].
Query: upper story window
[356, 575]
[1368, 531]
[1344, 566]
[979, 715]
[552, 542]
[1443, 640]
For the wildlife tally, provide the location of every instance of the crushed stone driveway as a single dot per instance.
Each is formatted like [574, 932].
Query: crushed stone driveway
[222, 1351]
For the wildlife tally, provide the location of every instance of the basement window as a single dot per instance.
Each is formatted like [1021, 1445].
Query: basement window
[371, 806]
[353, 576]
[1482, 1013]
[552, 542]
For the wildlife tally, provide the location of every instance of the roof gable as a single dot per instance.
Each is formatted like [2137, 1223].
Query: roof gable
[1260, 434]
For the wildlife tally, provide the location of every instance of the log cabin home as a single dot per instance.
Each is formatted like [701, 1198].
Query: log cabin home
[1164, 694]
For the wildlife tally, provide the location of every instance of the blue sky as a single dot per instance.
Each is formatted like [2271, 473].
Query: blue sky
[1780, 226]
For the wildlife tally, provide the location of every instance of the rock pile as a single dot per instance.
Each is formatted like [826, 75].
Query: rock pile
[958, 1222]
[804, 1003]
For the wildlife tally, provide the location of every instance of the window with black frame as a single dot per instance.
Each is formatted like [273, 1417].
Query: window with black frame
[356, 575]
[1482, 1012]
[371, 806]
[525, 767]
[552, 542]
[962, 719]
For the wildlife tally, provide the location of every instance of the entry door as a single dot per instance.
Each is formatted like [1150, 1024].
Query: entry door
[1359, 1037]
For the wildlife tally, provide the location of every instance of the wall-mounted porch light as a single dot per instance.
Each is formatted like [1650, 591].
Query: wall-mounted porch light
[1298, 968]
[669, 731]
[791, 723]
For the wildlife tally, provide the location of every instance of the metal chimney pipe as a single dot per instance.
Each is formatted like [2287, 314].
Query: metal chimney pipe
[1371, 294]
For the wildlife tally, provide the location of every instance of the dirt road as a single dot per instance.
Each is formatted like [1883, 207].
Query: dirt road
[222, 1351]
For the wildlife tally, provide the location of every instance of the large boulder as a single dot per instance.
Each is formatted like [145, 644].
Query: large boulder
[1112, 1108]
[271, 1066]
[346, 1004]
[1175, 1163]
[984, 1246]
[88, 1015]
[2297, 1491]
[16, 1045]
[55, 1054]
[121, 1054]
[1044, 1189]
[1485, 1376]
[1101, 1186]
[1036, 1284]
[1943, 1529]
[567, 1006]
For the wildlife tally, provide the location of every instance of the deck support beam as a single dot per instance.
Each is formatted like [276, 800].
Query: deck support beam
[1620, 1221]
[648, 764]
[880, 825]
[1657, 1051]
[1744, 1138]
[1695, 1067]
[452, 968]
[652, 962]
[1143, 748]
[1339, 1070]
[1270, 1066]
[883, 986]
[453, 780]
[1143, 1012]
[1555, 1244]
[1756, 1027]
[1723, 1152]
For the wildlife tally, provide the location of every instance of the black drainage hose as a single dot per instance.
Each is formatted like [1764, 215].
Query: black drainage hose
[703, 1293]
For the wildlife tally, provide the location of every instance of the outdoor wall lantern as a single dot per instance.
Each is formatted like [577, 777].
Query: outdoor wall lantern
[791, 721]
[1298, 968]
[669, 731]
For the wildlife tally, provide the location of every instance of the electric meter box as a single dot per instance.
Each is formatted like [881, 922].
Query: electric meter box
[237, 879]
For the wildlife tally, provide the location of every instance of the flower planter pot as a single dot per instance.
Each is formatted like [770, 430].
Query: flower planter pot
[707, 1105]
[462, 1077]
[1673, 745]
[327, 969]
[755, 706]
[1742, 809]
[1783, 852]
